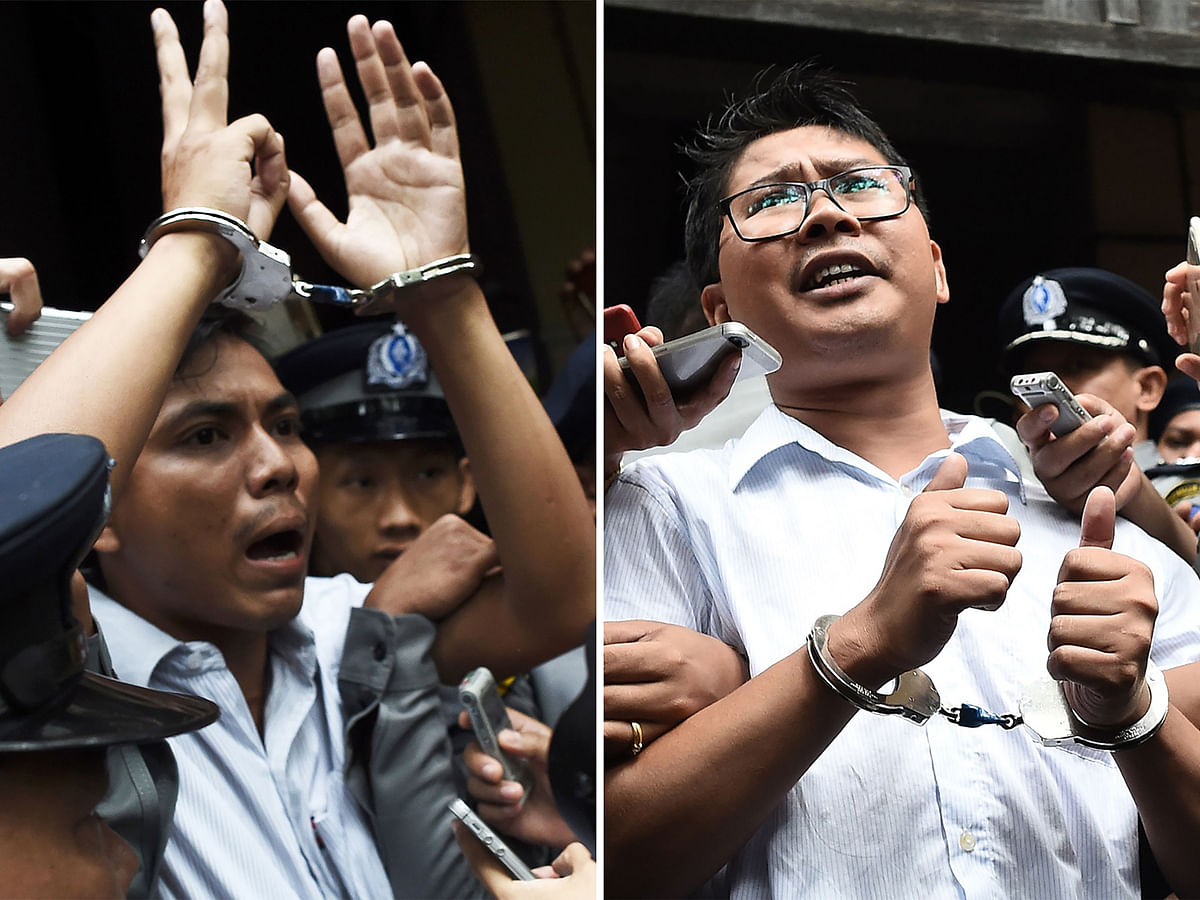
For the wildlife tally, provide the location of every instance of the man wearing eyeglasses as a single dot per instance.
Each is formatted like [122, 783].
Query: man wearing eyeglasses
[856, 535]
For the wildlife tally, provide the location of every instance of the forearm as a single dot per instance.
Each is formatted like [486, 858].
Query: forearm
[536, 510]
[108, 379]
[730, 764]
[1163, 775]
[1150, 512]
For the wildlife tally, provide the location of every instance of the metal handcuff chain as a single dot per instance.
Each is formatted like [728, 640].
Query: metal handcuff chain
[1043, 706]
[266, 276]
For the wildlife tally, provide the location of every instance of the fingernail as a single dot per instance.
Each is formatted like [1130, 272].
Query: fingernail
[511, 791]
[632, 340]
[1047, 414]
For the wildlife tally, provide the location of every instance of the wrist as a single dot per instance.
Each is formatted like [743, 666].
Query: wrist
[1096, 717]
[914, 697]
[1151, 708]
[216, 262]
[849, 646]
[409, 291]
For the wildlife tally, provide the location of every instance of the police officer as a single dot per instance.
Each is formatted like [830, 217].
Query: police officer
[1100, 333]
[390, 459]
[57, 720]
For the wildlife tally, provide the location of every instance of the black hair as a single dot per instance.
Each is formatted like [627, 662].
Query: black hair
[220, 321]
[799, 95]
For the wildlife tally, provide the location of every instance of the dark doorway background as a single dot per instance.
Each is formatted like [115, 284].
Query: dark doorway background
[82, 128]
[1029, 160]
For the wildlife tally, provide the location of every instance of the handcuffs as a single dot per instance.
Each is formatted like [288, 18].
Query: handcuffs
[1043, 706]
[266, 276]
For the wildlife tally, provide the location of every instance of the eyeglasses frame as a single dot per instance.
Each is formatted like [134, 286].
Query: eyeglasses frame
[810, 188]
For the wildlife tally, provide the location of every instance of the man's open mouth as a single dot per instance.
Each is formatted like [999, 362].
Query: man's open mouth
[830, 275]
[278, 546]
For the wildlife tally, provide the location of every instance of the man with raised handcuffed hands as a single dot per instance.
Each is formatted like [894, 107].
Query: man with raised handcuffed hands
[205, 554]
[855, 534]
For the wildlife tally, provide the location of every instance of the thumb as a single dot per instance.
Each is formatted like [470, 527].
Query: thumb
[1099, 519]
[951, 475]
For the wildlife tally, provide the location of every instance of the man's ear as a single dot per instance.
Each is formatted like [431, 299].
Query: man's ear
[466, 493]
[712, 298]
[939, 273]
[1151, 382]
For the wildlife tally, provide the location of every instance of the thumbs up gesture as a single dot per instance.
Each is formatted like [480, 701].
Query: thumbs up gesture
[955, 549]
[1102, 622]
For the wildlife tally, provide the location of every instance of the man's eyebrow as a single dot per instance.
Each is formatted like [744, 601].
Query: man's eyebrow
[826, 167]
[200, 409]
[222, 410]
[285, 402]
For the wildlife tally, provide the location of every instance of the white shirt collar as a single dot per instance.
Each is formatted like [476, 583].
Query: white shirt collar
[142, 647]
[969, 435]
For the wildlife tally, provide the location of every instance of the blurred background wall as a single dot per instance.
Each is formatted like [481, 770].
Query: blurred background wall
[80, 131]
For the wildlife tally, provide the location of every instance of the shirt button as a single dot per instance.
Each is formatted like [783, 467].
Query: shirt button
[905, 490]
[967, 841]
[380, 650]
[195, 660]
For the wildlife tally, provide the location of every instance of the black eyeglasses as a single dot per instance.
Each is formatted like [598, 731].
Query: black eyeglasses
[774, 210]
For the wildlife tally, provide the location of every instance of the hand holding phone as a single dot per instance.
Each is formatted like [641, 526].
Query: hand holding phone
[492, 841]
[690, 362]
[1039, 388]
[481, 698]
[619, 320]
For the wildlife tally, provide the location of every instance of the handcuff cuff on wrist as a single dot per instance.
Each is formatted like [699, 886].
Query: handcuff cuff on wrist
[266, 276]
[1043, 707]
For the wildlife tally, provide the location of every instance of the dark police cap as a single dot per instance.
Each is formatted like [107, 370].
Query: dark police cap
[1086, 306]
[369, 382]
[53, 503]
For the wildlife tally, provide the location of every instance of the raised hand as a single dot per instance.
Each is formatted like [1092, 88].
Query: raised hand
[238, 168]
[1099, 452]
[19, 280]
[655, 418]
[955, 549]
[658, 675]
[407, 204]
[1102, 621]
[1181, 299]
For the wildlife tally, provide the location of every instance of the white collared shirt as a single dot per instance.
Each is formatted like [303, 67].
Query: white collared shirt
[752, 542]
[259, 816]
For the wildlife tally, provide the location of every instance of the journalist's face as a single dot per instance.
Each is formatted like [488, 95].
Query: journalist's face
[212, 533]
[838, 295]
